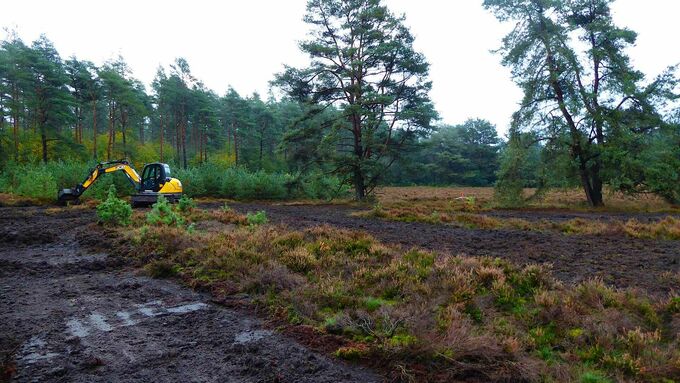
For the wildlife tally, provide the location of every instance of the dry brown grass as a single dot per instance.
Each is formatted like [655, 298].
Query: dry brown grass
[443, 199]
[466, 207]
[457, 316]
[7, 199]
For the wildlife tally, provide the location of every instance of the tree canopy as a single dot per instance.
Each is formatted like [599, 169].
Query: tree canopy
[364, 65]
[580, 89]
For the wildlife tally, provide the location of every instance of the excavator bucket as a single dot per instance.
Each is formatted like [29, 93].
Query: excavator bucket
[65, 196]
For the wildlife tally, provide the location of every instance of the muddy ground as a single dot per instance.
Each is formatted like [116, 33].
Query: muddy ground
[619, 260]
[72, 314]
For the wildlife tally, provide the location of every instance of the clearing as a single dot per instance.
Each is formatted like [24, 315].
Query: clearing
[74, 314]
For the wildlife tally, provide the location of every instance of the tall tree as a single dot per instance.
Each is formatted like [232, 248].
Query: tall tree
[160, 99]
[79, 76]
[364, 63]
[15, 84]
[51, 100]
[180, 82]
[569, 58]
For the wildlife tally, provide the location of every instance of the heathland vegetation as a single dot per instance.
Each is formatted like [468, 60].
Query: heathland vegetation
[509, 288]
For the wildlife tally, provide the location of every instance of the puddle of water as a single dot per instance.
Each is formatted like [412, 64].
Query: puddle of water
[251, 336]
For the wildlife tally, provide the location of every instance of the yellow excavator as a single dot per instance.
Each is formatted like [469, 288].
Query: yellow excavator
[156, 180]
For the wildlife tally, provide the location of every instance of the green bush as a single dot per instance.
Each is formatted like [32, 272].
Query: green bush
[162, 213]
[37, 183]
[185, 204]
[114, 211]
[192, 182]
[259, 218]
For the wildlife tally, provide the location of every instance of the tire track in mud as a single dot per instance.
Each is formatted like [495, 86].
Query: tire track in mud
[620, 261]
[72, 315]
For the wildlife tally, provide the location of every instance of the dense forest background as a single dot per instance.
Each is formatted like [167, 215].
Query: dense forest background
[360, 113]
[72, 110]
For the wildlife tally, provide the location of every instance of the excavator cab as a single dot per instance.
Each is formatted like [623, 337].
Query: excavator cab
[153, 176]
[156, 180]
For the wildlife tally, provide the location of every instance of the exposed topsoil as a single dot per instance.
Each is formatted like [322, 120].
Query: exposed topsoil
[651, 265]
[71, 313]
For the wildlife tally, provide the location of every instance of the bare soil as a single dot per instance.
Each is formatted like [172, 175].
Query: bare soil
[70, 312]
[621, 261]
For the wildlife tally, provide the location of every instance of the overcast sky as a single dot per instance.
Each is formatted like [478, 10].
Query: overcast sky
[243, 43]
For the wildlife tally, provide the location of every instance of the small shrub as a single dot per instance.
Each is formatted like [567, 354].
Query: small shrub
[350, 353]
[162, 213]
[114, 211]
[186, 204]
[299, 259]
[259, 218]
[161, 268]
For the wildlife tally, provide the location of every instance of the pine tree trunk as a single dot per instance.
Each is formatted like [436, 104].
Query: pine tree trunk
[184, 145]
[111, 131]
[43, 136]
[261, 149]
[359, 182]
[233, 129]
[161, 136]
[123, 129]
[94, 129]
[15, 122]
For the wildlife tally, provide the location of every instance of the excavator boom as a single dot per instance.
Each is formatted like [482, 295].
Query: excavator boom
[156, 180]
[66, 195]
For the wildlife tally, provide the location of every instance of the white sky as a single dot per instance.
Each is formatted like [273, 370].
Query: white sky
[243, 43]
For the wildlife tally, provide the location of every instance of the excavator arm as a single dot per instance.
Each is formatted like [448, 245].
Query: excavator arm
[66, 195]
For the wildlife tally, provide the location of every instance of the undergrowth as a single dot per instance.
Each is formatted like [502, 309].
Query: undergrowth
[41, 181]
[431, 316]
